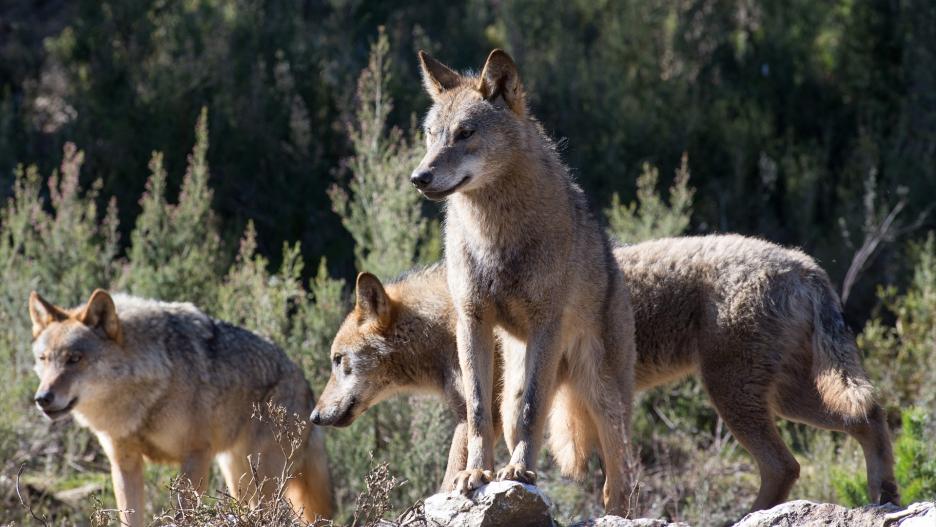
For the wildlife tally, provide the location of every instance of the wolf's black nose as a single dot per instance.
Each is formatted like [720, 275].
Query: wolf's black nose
[44, 399]
[316, 418]
[421, 179]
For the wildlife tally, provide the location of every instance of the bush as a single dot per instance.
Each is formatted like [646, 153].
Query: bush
[175, 251]
[650, 216]
[901, 355]
[914, 464]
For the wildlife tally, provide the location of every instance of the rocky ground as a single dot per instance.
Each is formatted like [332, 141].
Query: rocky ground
[511, 504]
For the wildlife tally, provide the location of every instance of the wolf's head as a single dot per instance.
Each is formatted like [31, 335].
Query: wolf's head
[473, 128]
[369, 355]
[70, 348]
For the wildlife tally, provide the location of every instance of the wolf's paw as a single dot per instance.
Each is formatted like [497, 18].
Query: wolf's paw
[514, 472]
[471, 479]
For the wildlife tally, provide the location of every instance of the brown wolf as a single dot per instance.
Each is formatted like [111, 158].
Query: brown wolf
[758, 323]
[526, 256]
[165, 382]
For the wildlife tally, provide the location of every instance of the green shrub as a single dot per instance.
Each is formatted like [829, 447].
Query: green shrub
[650, 216]
[380, 209]
[175, 251]
[914, 464]
[901, 356]
[915, 457]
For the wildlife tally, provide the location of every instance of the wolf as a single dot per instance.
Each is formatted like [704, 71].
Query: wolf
[524, 254]
[758, 324]
[165, 382]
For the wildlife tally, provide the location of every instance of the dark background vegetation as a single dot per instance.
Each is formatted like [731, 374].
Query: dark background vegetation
[809, 123]
[786, 108]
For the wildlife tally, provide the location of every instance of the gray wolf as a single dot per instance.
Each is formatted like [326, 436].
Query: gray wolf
[758, 324]
[165, 382]
[525, 255]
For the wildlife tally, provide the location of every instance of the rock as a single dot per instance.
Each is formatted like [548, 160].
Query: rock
[512, 504]
[77, 495]
[809, 514]
[922, 514]
[617, 521]
[497, 504]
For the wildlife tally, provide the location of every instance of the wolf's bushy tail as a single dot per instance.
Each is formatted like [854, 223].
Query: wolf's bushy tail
[572, 435]
[311, 489]
[840, 379]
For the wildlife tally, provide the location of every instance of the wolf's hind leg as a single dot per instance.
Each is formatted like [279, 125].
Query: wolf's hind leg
[741, 402]
[607, 396]
[513, 382]
[801, 402]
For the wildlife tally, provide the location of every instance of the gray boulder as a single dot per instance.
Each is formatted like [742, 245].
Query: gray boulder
[809, 514]
[497, 504]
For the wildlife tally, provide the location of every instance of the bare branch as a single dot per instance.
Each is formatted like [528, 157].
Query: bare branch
[874, 236]
[43, 520]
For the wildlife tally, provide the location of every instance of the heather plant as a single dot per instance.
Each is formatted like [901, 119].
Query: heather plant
[380, 209]
[60, 243]
[651, 216]
[175, 251]
[253, 297]
[280, 307]
[901, 356]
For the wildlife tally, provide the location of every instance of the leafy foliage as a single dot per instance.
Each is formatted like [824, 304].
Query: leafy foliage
[176, 249]
[382, 212]
[650, 217]
[901, 355]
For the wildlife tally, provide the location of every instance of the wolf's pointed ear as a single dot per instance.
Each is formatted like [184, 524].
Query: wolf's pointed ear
[437, 77]
[499, 78]
[43, 313]
[100, 312]
[372, 300]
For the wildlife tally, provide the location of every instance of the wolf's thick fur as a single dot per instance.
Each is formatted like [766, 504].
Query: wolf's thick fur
[758, 323]
[524, 255]
[165, 382]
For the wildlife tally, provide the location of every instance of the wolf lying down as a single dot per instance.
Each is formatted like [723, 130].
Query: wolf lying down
[165, 382]
[759, 324]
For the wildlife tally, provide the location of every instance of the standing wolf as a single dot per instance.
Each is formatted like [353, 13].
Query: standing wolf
[524, 255]
[166, 382]
[759, 324]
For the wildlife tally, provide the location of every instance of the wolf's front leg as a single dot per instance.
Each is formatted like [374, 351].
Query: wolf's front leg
[541, 362]
[475, 336]
[127, 476]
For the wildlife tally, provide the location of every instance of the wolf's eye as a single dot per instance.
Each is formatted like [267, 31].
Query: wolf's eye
[337, 360]
[74, 358]
[463, 134]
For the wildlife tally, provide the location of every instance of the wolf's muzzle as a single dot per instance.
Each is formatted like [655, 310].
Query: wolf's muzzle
[55, 413]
